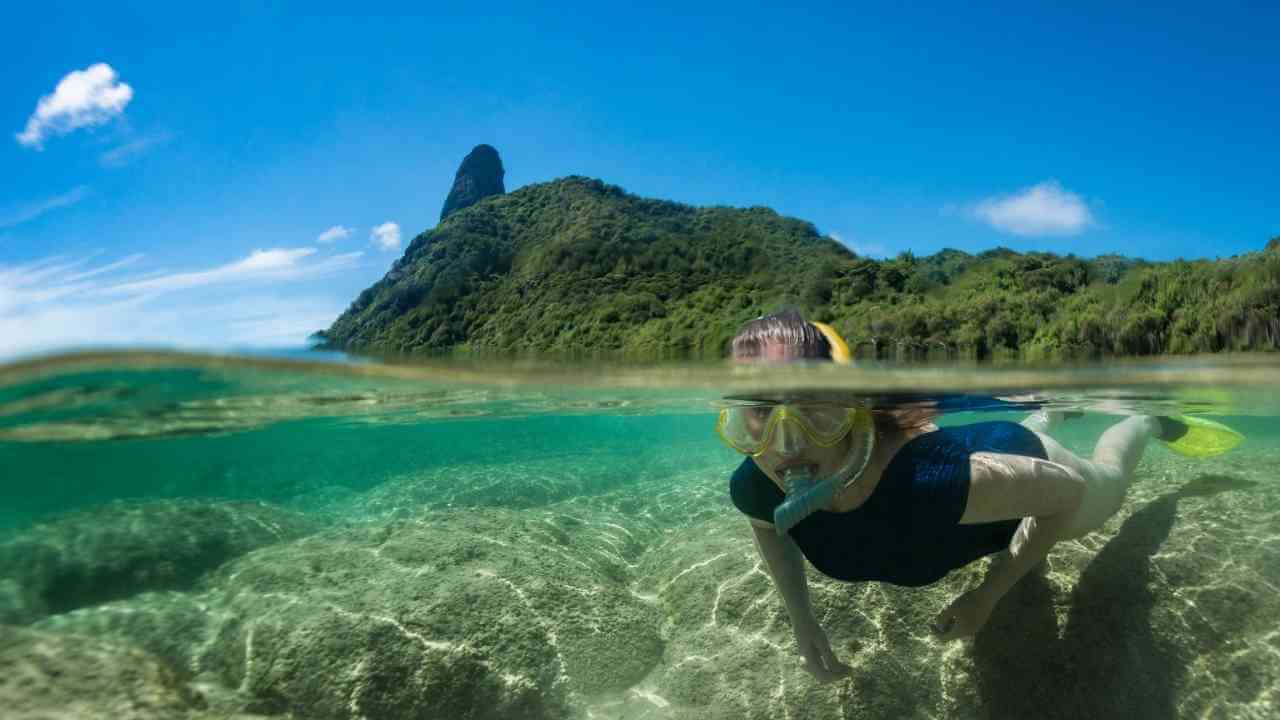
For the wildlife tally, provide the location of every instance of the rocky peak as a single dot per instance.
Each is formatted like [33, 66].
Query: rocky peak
[479, 176]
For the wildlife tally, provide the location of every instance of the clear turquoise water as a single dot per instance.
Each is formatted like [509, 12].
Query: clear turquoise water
[257, 537]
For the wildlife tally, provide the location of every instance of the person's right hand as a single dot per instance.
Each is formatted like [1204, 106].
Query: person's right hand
[816, 651]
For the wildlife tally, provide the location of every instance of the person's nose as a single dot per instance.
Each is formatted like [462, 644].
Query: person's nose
[789, 440]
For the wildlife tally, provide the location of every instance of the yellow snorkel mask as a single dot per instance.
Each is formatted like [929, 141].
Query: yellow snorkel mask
[752, 427]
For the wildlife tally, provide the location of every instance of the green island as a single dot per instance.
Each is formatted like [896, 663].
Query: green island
[577, 266]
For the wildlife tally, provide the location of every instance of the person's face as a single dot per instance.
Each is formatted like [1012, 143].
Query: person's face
[790, 446]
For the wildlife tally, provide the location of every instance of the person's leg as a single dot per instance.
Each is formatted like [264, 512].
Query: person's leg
[1107, 475]
[1045, 420]
[1109, 472]
[1042, 421]
[1121, 446]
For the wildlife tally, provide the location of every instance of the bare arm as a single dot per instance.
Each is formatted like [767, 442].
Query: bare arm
[786, 567]
[1046, 495]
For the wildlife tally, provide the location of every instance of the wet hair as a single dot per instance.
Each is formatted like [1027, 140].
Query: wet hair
[787, 328]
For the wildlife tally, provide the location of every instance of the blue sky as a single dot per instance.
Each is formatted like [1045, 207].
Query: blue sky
[170, 170]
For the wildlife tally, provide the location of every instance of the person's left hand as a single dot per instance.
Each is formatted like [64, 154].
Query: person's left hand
[964, 617]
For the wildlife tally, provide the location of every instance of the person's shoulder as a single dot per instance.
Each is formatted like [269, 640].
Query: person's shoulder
[753, 492]
[1003, 436]
[747, 477]
[966, 432]
[922, 440]
[748, 468]
[945, 445]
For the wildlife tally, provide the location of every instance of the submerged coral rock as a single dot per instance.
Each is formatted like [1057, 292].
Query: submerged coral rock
[479, 176]
[730, 648]
[172, 626]
[114, 551]
[47, 675]
[475, 613]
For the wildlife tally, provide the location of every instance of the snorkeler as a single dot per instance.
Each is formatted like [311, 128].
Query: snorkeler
[882, 494]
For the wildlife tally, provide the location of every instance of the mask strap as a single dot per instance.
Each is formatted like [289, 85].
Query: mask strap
[839, 348]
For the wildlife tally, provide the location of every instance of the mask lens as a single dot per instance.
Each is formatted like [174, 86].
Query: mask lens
[748, 428]
[826, 424]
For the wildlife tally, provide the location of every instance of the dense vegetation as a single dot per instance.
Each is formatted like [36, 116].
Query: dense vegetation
[577, 266]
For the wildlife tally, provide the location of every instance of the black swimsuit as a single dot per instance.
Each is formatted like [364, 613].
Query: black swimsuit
[908, 532]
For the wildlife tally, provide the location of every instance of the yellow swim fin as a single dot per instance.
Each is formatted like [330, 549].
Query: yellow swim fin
[1196, 437]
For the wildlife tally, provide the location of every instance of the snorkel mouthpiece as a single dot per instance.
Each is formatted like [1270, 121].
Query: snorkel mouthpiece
[806, 495]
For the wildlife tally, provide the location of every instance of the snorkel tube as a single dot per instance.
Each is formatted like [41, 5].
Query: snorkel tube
[807, 494]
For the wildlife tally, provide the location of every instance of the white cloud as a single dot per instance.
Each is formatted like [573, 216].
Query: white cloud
[333, 234]
[278, 264]
[1043, 209]
[56, 303]
[82, 99]
[31, 212]
[255, 321]
[122, 155]
[386, 236]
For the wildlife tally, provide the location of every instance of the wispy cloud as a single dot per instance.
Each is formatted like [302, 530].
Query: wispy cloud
[386, 236]
[58, 303]
[334, 234]
[280, 264]
[126, 153]
[35, 210]
[1043, 209]
[83, 98]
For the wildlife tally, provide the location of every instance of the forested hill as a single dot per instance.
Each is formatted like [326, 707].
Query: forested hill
[578, 266]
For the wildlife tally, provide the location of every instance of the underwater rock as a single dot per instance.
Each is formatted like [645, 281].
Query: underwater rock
[478, 177]
[475, 613]
[729, 648]
[47, 675]
[173, 626]
[646, 600]
[113, 551]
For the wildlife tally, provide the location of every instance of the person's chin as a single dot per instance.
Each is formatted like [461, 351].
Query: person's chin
[811, 466]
